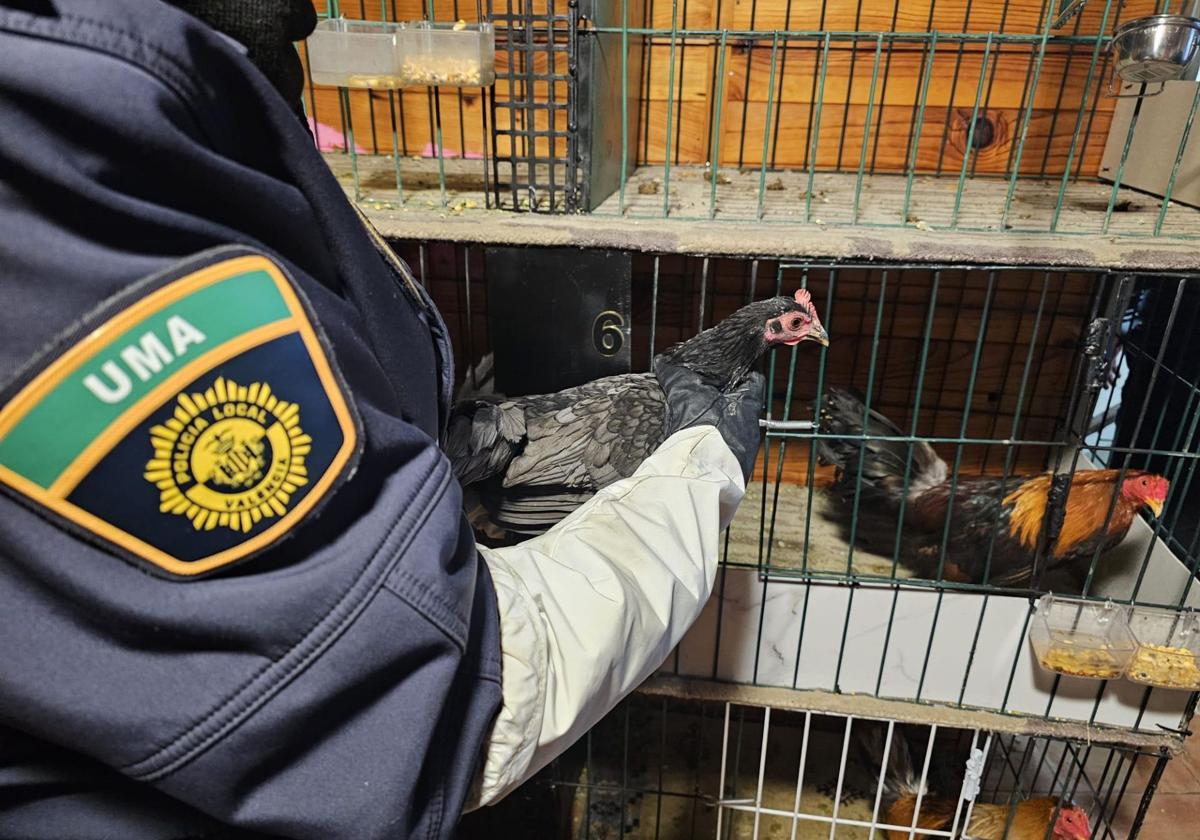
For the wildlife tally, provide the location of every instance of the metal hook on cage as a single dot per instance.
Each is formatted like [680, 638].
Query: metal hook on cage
[1067, 9]
[787, 425]
[1139, 95]
[1095, 349]
[714, 802]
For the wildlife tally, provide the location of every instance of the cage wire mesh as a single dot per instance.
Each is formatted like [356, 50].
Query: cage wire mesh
[664, 768]
[963, 116]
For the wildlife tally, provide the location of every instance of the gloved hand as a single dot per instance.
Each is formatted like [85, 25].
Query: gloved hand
[692, 401]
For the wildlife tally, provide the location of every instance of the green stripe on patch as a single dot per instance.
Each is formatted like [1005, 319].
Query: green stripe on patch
[126, 367]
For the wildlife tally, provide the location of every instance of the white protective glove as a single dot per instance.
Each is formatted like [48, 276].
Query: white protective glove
[592, 607]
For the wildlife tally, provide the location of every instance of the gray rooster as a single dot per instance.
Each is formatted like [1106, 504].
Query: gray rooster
[528, 462]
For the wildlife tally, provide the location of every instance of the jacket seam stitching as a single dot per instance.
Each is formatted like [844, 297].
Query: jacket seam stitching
[427, 602]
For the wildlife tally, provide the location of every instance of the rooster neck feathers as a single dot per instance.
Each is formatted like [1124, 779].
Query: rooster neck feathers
[725, 353]
[1087, 504]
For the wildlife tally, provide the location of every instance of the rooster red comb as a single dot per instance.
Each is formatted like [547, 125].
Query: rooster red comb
[1072, 824]
[803, 297]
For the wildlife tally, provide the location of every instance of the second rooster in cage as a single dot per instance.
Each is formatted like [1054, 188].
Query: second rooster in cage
[913, 799]
[1033, 530]
[528, 462]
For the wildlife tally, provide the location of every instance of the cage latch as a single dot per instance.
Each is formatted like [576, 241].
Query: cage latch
[1095, 348]
[973, 778]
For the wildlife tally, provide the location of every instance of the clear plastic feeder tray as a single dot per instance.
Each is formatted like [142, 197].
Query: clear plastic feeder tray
[1081, 638]
[1168, 643]
[365, 54]
[453, 55]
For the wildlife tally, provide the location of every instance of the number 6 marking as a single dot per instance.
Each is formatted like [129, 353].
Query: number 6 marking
[607, 334]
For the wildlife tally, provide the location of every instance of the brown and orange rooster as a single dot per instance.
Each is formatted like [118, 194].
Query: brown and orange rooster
[998, 528]
[1028, 819]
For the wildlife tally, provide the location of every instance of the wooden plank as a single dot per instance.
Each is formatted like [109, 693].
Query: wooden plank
[694, 14]
[687, 146]
[416, 123]
[900, 73]
[415, 126]
[843, 127]
[827, 702]
[693, 70]
[1013, 16]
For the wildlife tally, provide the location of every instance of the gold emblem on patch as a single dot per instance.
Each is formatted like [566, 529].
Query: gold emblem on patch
[229, 457]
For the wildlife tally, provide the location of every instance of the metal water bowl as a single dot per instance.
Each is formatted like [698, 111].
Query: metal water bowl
[1156, 50]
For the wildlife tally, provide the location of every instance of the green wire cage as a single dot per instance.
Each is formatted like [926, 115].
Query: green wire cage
[980, 118]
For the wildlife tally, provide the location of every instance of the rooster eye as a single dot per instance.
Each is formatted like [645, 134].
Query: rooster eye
[795, 323]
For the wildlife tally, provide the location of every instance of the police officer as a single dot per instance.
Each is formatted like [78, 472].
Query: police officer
[237, 591]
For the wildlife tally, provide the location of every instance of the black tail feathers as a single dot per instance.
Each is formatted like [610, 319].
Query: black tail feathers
[874, 466]
[938, 771]
[899, 777]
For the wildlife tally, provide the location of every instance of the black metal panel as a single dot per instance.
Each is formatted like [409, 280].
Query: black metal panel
[559, 316]
[610, 72]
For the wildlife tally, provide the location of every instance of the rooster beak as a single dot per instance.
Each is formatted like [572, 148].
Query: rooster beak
[1155, 505]
[820, 336]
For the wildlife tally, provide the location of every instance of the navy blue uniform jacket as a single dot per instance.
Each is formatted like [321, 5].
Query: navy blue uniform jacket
[339, 683]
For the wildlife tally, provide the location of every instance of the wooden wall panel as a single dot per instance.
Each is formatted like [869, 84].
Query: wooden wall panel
[848, 74]
[890, 138]
[1012, 16]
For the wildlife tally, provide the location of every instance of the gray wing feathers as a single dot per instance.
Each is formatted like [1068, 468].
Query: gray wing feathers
[535, 459]
[482, 439]
[587, 437]
[633, 429]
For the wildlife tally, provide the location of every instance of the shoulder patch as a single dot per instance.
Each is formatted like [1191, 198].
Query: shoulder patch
[191, 424]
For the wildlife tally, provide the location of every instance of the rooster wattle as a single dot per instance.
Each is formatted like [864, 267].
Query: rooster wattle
[997, 529]
[532, 460]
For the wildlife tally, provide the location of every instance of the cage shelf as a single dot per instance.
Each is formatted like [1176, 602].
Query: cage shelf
[459, 214]
[900, 640]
